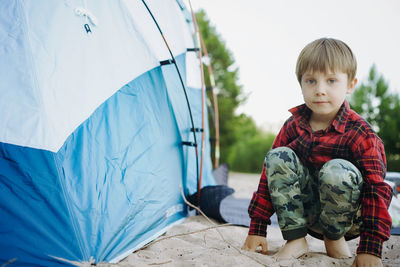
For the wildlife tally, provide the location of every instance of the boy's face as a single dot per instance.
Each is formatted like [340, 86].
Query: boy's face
[324, 93]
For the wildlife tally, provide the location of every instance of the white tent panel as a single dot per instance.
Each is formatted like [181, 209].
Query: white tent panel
[59, 73]
[173, 26]
[193, 71]
[56, 72]
[169, 19]
[148, 30]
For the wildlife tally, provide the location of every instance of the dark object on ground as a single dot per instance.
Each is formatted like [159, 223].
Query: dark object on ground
[394, 177]
[217, 202]
[210, 199]
[395, 231]
[234, 210]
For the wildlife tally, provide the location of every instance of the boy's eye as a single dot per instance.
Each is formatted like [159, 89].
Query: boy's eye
[331, 80]
[310, 81]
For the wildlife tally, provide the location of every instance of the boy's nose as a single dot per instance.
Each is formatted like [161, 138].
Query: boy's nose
[320, 90]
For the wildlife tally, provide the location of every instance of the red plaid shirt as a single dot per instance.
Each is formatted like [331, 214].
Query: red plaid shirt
[348, 137]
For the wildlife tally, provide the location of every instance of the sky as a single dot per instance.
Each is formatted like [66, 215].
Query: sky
[265, 38]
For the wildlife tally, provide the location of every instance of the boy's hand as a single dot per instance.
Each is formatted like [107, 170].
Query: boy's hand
[252, 242]
[362, 260]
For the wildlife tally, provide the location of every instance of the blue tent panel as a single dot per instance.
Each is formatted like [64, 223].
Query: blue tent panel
[91, 157]
[178, 100]
[115, 182]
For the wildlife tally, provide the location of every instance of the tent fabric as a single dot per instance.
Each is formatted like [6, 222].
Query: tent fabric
[176, 96]
[91, 155]
[60, 63]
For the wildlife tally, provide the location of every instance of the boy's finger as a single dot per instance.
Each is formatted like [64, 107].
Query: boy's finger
[248, 247]
[245, 247]
[264, 248]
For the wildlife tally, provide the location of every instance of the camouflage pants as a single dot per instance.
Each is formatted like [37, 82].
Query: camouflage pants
[324, 203]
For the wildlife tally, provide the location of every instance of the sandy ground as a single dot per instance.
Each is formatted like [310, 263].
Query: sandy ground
[221, 246]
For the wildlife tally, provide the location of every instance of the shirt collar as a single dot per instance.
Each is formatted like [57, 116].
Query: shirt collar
[302, 114]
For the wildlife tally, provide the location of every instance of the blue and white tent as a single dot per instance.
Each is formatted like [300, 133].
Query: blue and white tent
[91, 127]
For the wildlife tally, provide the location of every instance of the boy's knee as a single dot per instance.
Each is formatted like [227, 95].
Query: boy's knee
[280, 155]
[281, 165]
[281, 149]
[339, 172]
[280, 160]
[340, 185]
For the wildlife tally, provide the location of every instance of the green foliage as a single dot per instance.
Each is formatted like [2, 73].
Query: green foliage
[393, 163]
[381, 108]
[230, 94]
[242, 145]
[248, 154]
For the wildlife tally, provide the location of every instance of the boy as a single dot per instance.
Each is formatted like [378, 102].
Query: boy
[324, 174]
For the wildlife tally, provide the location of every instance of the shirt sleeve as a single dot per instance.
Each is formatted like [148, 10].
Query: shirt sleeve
[260, 208]
[376, 195]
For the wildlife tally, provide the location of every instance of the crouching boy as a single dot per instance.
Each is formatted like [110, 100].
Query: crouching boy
[324, 174]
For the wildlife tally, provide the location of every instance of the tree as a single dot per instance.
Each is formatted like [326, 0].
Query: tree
[230, 94]
[243, 146]
[381, 108]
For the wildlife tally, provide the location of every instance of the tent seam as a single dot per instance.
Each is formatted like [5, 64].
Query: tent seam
[84, 252]
[29, 57]
[39, 100]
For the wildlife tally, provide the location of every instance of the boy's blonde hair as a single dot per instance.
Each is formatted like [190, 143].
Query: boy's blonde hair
[326, 54]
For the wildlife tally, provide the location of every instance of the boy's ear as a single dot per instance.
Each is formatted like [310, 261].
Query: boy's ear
[352, 86]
